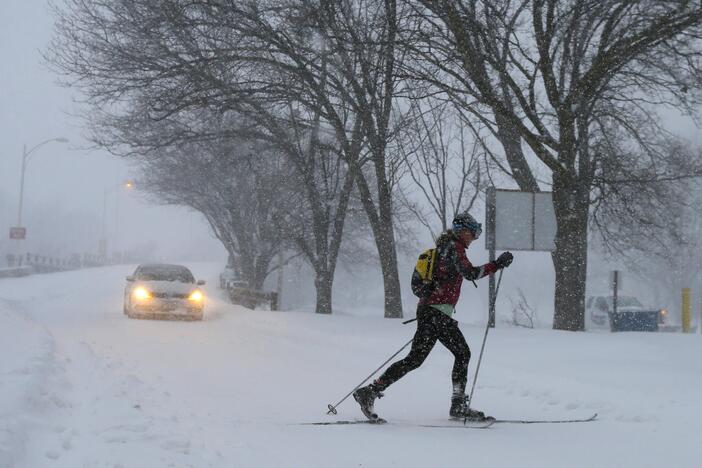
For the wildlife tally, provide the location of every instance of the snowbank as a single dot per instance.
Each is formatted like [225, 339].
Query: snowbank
[231, 391]
[27, 354]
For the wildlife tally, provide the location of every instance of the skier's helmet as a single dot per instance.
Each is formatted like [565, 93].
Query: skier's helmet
[466, 221]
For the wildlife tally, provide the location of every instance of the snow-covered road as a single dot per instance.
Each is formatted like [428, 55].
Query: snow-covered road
[83, 386]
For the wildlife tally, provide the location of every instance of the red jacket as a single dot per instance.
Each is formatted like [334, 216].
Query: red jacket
[452, 267]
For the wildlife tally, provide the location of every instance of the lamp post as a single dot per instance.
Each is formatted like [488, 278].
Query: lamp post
[102, 248]
[25, 160]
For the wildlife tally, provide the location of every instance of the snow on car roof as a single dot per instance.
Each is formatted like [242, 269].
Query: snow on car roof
[162, 267]
[164, 272]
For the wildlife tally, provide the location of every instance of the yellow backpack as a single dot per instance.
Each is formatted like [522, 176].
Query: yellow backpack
[423, 275]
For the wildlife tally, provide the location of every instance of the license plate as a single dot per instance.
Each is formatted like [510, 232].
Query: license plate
[169, 306]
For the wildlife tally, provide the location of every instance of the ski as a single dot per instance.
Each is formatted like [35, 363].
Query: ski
[459, 424]
[467, 425]
[545, 421]
[352, 421]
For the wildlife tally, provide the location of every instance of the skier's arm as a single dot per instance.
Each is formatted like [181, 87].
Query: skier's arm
[470, 272]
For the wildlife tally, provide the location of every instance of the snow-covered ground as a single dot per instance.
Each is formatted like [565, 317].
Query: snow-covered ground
[83, 386]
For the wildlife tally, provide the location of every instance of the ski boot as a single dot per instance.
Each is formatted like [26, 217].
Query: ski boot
[365, 396]
[459, 410]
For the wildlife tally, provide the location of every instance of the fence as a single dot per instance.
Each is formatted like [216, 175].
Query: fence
[28, 263]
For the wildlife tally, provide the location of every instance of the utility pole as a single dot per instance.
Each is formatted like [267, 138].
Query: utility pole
[25, 160]
[102, 247]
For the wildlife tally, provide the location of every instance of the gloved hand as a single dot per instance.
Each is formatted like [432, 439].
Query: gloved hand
[504, 260]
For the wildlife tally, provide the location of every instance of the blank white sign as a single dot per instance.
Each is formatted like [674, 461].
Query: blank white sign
[524, 221]
[513, 220]
[545, 222]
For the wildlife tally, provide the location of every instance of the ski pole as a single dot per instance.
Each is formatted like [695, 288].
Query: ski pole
[332, 408]
[482, 348]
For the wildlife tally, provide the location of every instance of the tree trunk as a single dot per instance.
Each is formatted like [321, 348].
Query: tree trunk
[570, 256]
[387, 248]
[388, 265]
[323, 282]
[262, 263]
[512, 144]
[248, 269]
[381, 223]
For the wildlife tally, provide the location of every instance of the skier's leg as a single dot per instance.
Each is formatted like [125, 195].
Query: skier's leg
[450, 335]
[422, 343]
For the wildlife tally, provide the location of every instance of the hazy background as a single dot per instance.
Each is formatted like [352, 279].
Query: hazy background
[65, 185]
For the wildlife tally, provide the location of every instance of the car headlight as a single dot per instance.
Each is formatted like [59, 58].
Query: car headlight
[196, 296]
[141, 294]
[663, 315]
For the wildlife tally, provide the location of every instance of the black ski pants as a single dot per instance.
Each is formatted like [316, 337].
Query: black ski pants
[432, 325]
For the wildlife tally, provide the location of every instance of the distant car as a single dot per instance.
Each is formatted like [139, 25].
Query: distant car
[163, 291]
[226, 276]
[229, 278]
[599, 308]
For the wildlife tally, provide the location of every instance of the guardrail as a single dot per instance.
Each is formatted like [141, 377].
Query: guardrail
[15, 272]
[29, 263]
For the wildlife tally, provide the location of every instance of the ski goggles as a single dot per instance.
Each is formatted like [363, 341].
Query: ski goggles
[477, 231]
[475, 228]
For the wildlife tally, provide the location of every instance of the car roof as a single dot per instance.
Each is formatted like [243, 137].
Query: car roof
[161, 266]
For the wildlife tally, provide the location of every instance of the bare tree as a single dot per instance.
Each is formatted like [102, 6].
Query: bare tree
[177, 83]
[444, 162]
[235, 189]
[550, 73]
[319, 185]
[361, 38]
[638, 202]
[140, 61]
[652, 226]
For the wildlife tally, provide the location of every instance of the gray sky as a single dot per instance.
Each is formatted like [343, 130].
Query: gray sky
[62, 182]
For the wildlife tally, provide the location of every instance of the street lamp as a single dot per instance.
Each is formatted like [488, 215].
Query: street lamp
[25, 160]
[126, 184]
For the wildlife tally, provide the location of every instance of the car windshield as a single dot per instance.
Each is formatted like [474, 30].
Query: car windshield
[624, 301]
[165, 273]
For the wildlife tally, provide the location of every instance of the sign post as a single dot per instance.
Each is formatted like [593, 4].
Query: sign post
[516, 220]
[616, 279]
[490, 241]
[686, 311]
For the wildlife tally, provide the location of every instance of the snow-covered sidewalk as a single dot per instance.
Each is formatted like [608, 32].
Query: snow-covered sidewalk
[84, 386]
[27, 353]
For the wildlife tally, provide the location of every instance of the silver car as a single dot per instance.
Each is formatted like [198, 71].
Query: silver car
[160, 290]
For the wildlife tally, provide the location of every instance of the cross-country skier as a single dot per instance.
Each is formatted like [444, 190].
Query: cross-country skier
[434, 321]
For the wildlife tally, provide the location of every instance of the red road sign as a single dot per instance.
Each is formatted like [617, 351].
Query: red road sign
[18, 233]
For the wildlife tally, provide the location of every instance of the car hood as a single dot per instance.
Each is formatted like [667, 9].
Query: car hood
[168, 287]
